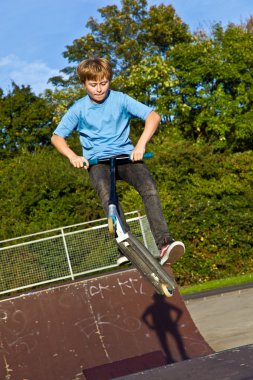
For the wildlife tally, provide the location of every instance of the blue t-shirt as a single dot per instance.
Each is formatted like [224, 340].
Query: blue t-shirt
[104, 127]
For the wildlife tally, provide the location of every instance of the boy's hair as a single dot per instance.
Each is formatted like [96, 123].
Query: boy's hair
[93, 69]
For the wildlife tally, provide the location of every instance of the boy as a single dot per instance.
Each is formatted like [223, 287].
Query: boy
[102, 119]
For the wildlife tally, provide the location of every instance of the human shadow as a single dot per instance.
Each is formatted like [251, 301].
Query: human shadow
[163, 318]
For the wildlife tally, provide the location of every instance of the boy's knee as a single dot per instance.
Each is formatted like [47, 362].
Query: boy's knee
[148, 190]
[103, 192]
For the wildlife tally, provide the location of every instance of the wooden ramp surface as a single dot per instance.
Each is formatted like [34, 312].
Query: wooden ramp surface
[67, 331]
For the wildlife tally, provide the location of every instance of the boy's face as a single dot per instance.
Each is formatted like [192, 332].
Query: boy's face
[97, 89]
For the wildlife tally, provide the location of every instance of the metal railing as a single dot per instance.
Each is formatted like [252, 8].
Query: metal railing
[64, 253]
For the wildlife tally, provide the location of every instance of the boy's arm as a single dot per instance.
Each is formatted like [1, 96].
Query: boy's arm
[60, 144]
[151, 125]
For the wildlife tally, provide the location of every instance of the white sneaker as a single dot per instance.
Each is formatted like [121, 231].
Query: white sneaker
[172, 252]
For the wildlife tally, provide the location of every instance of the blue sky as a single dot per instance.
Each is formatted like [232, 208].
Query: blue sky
[34, 33]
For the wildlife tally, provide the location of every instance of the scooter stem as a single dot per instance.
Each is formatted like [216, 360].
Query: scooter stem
[113, 196]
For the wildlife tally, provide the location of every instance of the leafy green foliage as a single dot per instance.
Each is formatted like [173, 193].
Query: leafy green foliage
[213, 98]
[42, 191]
[25, 120]
[208, 203]
[127, 35]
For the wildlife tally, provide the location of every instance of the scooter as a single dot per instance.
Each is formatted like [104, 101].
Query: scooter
[128, 243]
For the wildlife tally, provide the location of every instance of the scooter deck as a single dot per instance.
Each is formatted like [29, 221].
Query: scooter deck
[147, 265]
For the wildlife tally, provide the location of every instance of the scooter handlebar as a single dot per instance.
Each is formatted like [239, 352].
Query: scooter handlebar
[95, 161]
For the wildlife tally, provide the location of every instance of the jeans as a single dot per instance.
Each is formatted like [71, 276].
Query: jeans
[137, 175]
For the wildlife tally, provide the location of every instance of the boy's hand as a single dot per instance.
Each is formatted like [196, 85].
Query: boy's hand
[79, 162]
[137, 154]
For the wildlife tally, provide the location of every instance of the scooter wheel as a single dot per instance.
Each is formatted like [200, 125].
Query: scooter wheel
[167, 292]
[111, 226]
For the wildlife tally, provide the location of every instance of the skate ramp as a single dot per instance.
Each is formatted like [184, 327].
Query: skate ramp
[89, 328]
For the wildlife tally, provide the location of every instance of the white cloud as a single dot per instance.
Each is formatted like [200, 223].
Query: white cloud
[35, 74]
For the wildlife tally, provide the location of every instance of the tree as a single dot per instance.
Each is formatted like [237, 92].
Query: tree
[213, 99]
[126, 36]
[25, 120]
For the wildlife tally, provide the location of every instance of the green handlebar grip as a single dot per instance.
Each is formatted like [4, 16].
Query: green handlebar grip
[94, 161]
[148, 155]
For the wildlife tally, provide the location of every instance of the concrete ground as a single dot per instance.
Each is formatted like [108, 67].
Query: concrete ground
[225, 320]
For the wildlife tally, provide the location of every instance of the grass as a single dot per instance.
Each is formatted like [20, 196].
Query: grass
[216, 284]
